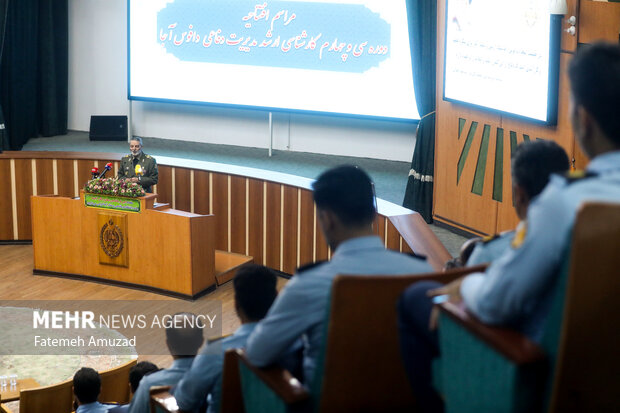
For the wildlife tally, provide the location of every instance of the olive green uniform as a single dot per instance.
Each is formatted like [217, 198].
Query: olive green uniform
[127, 169]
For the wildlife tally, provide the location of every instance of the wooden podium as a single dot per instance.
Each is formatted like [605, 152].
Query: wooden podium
[130, 243]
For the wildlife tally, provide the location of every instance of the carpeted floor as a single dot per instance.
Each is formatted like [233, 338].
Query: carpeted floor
[390, 177]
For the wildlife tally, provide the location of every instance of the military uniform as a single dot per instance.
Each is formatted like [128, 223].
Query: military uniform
[127, 169]
[140, 403]
[517, 288]
[299, 310]
[205, 375]
[490, 248]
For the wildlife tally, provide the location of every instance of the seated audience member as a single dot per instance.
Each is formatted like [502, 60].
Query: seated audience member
[136, 373]
[345, 208]
[532, 165]
[86, 388]
[465, 252]
[255, 290]
[184, 338]
[517, 288]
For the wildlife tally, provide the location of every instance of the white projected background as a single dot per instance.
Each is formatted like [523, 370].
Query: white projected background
[383, 90]
[497, 55]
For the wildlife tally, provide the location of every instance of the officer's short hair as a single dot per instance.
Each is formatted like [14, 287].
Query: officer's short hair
[255, 290]
[348, 192]
[184, 335]
[136, 138]
[595, 84]
[86, 385]
[138, 371]
[533, 163]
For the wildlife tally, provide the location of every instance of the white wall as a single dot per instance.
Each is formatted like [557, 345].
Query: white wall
[98, 86]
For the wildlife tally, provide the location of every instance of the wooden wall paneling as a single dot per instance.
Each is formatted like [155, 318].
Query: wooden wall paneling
[598, 21]
[273, 211]
[23, 170]
[112, 172]
[201, 192]
[379, 227]
[506, 216]
[393, 237]
[84, 174]
[580, 158]
[459, 203]
[164, 184]
[405, 247]
[290, 234]
[255, 220]
[64, 176]
[306, 228]
[45, 176]
[238, 214]
[6, 201]
[220, 210]
[569, 42]
[182, 189]
[321, 250]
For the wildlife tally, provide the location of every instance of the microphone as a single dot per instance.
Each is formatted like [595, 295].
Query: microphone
[107, 167]
[94, 172]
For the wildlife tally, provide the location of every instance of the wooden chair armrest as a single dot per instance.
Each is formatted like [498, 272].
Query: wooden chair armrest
[161, 395]
[510, 343]
[281, 381]
[452, 274]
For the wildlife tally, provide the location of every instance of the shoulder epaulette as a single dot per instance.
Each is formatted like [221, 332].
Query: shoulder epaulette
[489, 238]
[148, 156]
[307, 267]
[576, 176]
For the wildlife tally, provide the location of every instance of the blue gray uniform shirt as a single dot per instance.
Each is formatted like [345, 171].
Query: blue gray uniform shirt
[517, 289]
[95, 407]
[141, 401]
[205, 376]
[485, 252]
[299, 310]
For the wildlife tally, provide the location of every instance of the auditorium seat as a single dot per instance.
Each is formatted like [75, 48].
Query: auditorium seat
[575, 368]
[115, 384]
[39, 400]
[360, 367]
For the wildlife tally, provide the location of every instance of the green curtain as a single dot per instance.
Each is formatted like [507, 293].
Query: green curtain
[34, 74]
[422, 18]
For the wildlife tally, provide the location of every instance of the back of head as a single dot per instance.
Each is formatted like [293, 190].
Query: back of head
[86, 385]
[184, 335]
[138, 371]
[255, 291]
[595, 84]
[348, 192]
[533, 163]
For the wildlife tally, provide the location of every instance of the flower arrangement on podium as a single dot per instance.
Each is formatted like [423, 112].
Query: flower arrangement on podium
[114, 187]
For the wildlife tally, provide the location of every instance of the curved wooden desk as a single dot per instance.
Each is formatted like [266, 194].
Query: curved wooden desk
[166, 251]
[267, 215]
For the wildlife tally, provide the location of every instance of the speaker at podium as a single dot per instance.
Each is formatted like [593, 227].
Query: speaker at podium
[108, 128]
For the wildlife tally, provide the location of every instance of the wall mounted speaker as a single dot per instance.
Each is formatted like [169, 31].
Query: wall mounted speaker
[108, 128]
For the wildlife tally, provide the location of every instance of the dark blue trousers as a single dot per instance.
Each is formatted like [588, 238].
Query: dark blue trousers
[419, 346]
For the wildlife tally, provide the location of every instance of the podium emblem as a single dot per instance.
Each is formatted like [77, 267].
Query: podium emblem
[111, 239]
[112, 233]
